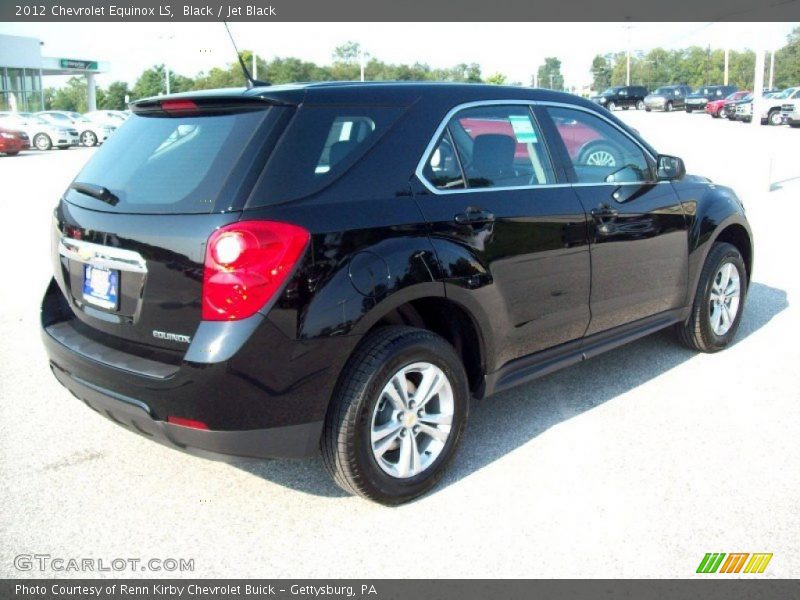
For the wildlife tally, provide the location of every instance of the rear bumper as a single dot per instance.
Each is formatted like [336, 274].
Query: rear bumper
[134, 415]
[268, 399]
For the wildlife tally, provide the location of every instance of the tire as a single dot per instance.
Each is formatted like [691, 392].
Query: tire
[688, 110]
[646, 110]
[774, 118]
[88, 139]
[698, 332]
[625, 107]
[599, 154]
[669, 107]
[12, 153]
[42, 141]
[611, 106]
[794, 125]
[723, 113]
[361, 400]
[640, 105]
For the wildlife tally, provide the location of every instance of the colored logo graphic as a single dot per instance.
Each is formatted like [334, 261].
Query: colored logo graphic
[733, 563]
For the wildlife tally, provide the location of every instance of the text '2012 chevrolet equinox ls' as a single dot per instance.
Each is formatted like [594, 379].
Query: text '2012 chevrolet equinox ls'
[268, 272]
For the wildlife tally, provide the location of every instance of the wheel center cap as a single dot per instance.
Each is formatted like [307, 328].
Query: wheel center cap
[409, 418]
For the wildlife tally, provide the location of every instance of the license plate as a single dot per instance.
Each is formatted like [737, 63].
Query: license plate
[101, 286]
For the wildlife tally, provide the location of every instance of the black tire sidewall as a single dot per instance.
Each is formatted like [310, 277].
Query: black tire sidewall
[727, 253]
[383, 487]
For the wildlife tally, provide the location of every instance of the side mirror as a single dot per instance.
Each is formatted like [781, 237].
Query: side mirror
[670, 168]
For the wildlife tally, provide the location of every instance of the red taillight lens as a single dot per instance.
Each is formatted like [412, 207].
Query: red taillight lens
[246, 264]
[178, 106]
[187, 422]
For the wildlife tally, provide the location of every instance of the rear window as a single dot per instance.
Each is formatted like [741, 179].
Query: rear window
[163, 164]
[320, 144]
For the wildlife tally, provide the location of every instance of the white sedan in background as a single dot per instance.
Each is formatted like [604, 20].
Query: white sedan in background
[91, 132]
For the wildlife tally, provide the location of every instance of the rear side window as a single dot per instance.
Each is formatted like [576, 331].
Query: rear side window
[162, 164]
[319, 145]
[490, 147]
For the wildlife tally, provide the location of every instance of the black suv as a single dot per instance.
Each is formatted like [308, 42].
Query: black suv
[623, 96]
[698, 99]
[268, 272]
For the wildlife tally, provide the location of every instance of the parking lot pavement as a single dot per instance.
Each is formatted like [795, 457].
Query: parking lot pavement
[633, 464]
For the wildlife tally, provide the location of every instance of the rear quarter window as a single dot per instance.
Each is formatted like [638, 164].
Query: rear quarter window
[320, 144]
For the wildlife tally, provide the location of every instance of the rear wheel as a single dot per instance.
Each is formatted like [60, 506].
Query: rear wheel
[719, 300]
[12, 153]
[397, 415]
[688, 110]
[669, 107]
[88, 138]
[42, 141]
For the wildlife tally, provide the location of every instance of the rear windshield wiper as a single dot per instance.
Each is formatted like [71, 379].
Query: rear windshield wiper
[96, 191]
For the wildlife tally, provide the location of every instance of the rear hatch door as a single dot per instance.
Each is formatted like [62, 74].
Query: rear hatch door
[129, 235]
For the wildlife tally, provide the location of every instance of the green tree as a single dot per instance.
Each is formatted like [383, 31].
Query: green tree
[73, 96]
[114, 97]
[496, 79]
[550, 74]
[601, 72]
[787, 61]
[153, 82]
[348, 53]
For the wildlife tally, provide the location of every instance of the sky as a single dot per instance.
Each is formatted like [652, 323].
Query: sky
[514, 49]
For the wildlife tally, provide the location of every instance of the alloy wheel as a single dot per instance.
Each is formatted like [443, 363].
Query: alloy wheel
[601, 158]
[724, 298]
[412, 420]
[88, 138]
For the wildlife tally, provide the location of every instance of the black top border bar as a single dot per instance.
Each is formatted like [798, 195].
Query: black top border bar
[396, 10]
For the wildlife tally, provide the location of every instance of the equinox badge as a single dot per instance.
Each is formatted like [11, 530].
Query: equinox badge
[174, 337]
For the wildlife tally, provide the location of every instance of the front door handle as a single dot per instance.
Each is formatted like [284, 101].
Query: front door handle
[474, 215]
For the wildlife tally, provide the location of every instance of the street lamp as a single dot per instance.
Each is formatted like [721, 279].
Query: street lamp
[166, 66]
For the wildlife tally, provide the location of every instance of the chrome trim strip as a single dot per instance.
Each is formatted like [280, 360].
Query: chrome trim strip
[440, 129]
[102, 256]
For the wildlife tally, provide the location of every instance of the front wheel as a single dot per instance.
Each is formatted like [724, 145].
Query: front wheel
[640, 105]
[688, 110]
[775, 118]
[12, 153]
[397, 415]
[611, 106]
[669, 107]
[719, 300]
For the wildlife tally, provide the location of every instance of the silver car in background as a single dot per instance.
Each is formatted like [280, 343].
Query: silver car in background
[43, 134]
[90, 132]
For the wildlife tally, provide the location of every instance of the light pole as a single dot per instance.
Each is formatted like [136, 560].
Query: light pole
[166, 66]
[362, 61]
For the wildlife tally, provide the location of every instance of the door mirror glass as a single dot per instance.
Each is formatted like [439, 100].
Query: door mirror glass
[670, 168]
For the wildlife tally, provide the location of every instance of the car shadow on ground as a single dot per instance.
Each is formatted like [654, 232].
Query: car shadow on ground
[524, 413]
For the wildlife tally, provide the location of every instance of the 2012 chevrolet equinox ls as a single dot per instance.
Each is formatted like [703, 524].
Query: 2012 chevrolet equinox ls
[268, 272]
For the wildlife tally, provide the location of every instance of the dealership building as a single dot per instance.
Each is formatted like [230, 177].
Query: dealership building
[22, 67]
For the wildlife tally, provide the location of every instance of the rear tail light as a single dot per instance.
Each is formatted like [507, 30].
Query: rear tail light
[246, 264]
[183, 422]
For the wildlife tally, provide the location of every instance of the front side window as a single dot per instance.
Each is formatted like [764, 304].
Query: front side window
[599, 152]
[490, 147]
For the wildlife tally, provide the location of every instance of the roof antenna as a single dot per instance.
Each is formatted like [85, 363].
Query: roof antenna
[248, 77]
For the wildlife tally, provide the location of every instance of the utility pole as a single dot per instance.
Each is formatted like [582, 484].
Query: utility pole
[726, 66]
[166, 73]
[758, 86]
[628, 58]
[772, 68]
[255, 67]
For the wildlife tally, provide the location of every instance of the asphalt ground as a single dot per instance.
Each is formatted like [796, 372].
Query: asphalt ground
[632, 464]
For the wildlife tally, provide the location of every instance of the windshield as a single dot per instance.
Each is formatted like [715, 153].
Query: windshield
[610, 91]
[164, 164]
[58, 117]
[664, 90]
[785, 93]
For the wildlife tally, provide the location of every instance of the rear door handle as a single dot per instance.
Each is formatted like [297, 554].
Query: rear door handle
[604, 211]
[473, 216]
